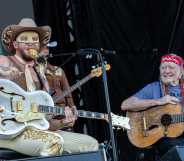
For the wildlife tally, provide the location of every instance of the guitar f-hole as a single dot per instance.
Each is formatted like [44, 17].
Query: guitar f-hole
[8, 119]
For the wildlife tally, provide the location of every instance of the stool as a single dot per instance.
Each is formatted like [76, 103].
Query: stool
[148, 154]
[6, 154]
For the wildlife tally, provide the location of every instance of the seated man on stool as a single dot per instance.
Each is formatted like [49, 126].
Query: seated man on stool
[25, 41]
[168, 90]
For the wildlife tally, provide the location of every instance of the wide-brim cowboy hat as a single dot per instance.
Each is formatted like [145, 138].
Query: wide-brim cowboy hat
[10, 33]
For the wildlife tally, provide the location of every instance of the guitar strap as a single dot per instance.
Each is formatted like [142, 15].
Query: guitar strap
[40, 70]
[182, 92]
[162, 88]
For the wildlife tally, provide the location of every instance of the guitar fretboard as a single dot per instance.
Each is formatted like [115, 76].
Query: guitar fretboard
[177, 118]
[50, 109]
[80, 113]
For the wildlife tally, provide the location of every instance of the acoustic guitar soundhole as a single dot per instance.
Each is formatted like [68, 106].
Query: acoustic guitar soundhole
[166, 119]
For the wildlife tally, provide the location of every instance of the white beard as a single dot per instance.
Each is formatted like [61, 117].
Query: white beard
[171, 81]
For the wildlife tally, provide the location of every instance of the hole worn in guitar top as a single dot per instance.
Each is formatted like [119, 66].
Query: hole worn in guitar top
[166, 119]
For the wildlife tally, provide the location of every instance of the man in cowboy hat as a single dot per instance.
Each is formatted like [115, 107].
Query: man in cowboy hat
[168, 90]
[25, 42]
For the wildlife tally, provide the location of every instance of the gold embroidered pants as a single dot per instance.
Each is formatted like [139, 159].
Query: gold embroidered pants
[75, 142]
[35, 142]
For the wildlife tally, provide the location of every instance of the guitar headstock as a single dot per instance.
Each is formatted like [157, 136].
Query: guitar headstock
[97, 72]
[120, 121]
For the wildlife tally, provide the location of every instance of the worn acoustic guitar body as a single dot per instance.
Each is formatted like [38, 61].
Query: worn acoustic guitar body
[150, 125]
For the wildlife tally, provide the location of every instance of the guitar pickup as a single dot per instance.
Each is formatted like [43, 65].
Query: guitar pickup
[19, 106]
[34, 108]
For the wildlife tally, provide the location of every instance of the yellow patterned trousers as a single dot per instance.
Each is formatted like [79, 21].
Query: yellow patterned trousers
[35, 142]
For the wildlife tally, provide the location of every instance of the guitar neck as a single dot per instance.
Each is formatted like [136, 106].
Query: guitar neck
[92, 115]
[74, 87]
[80, 113]
[177, 118]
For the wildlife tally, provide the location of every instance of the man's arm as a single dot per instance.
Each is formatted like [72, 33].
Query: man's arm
[135, 104]
[57, 122]
[6, 69]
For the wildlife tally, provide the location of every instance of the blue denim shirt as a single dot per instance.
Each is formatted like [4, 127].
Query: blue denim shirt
[153, 91]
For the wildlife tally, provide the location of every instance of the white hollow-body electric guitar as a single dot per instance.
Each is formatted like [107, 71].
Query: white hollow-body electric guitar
[20, 109]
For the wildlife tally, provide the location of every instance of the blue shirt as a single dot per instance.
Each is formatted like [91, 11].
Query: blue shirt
[153, 91]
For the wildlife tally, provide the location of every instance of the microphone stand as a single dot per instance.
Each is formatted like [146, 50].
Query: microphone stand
[104, 78]
[90, 51]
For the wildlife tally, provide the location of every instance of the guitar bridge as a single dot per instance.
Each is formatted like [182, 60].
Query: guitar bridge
[145, 133]
[19, 106]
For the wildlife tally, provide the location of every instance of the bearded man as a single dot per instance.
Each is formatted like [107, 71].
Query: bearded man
[25, 42]
[168, 90]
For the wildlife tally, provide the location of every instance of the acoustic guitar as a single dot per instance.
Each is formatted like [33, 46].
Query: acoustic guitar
[150, 125]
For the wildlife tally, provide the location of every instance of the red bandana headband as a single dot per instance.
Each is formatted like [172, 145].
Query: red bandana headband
[172, 58]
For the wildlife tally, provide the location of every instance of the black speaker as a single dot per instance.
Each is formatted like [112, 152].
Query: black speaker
[87, 156]
[175, 154]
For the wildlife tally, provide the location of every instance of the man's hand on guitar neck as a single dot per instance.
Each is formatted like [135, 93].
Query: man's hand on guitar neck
[70, 116]
[58, 122]
[167, 99]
